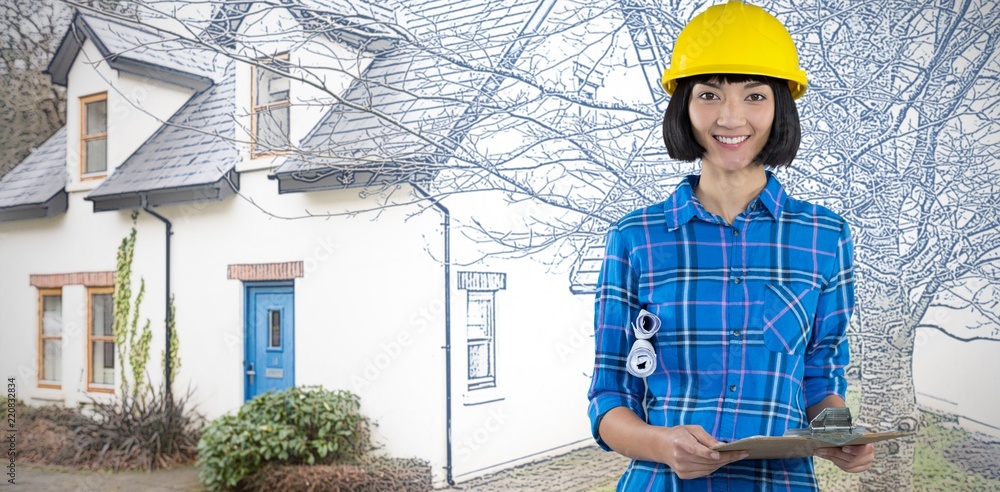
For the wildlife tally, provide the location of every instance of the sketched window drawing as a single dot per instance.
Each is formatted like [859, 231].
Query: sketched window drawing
[100, 339]
[93, 135]
[481, 323]
[270, 115]
[482, 340]
[50, 329]
[587, 268]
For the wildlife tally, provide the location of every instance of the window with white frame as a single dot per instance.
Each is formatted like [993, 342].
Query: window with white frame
[271, 113]
[481, 323]
[100, 339]
[50, 329]
[94, 135]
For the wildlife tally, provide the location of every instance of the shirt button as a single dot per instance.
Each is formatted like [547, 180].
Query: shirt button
[737, 333]
[732, 388]
[738, 280]
[736, 232]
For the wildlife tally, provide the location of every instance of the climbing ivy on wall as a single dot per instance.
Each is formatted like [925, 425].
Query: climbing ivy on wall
[130, 341]
[175, 360]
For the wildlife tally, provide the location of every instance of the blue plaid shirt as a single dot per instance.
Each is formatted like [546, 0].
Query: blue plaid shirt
[754, 327]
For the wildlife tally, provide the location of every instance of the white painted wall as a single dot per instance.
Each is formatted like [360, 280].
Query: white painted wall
[544, 338]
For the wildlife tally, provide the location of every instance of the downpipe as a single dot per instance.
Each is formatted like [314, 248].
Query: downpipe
[169, 331]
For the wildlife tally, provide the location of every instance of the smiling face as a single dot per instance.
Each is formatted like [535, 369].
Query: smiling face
[731, 121]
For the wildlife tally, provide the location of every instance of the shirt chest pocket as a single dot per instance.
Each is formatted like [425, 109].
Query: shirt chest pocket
[789, 311]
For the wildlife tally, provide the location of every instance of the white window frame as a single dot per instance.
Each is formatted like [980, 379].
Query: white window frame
[88, 137]
[91, 338]
[256, 110]
[42, 338]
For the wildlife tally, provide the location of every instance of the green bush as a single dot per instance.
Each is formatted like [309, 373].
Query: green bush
[297, 426]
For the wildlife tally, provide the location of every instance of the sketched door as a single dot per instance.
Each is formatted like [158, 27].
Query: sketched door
[269, 360]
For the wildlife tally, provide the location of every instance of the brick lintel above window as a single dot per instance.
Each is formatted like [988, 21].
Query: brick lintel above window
[257, 272]
[482, 281]
[58, 280]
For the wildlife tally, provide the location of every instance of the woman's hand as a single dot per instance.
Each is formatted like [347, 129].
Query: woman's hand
[852, 459]
[688, 451]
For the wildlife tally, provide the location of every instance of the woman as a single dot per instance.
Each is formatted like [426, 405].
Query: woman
[754, 289]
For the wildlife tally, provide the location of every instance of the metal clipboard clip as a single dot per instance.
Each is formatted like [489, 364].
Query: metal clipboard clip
[832, 425]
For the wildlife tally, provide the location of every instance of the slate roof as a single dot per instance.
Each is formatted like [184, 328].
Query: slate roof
[192, 157]
[366, 25]
[137, 49]
[363, 18]
[415, 106]
[360, 11]
[36, 187]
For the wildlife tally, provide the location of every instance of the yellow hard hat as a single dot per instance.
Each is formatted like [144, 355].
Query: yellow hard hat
[735, 38]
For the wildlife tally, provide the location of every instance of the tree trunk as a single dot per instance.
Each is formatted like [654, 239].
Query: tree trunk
[888, 400]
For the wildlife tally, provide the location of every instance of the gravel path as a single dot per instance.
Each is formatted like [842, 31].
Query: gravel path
[44, 478]
[585, 470]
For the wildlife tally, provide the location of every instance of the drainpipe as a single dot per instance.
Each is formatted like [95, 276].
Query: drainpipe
[169, 331]
[447, 324]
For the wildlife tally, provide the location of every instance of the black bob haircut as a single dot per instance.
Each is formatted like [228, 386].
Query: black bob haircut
[786, 132]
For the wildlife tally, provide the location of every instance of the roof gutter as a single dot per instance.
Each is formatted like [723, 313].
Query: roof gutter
[169, 329]
[446, 223]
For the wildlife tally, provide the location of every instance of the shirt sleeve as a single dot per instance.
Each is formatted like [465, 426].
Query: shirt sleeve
[616, 304]
[828, 353]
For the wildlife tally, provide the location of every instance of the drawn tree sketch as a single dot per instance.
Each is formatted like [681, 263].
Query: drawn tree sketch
[903, 142]
[556, 108]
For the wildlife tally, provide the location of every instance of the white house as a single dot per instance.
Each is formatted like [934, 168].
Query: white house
[284, 273]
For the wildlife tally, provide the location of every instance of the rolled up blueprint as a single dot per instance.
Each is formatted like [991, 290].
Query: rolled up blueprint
[646, 325]
[641, 359]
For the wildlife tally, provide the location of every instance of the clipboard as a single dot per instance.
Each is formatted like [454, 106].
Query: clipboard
[832, 428]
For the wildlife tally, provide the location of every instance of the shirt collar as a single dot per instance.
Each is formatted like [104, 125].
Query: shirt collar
[773, 196]
[683, 205]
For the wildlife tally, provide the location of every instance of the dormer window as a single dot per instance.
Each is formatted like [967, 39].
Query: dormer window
[94, 135]
[270, 115]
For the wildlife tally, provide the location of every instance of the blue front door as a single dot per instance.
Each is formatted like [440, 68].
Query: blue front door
[270, 339]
